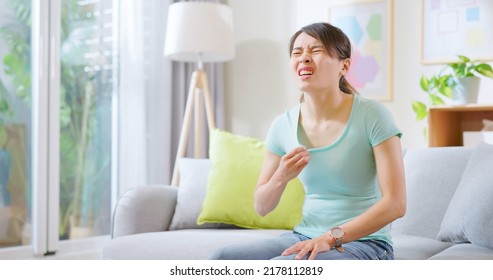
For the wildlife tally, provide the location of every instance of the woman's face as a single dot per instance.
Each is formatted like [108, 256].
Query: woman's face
[313, 68]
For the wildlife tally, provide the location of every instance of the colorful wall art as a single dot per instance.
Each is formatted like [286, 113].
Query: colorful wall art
[453, 27]
[368, 25]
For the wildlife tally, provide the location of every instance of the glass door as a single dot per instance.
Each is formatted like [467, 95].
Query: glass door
[88, 79]
[58, 110]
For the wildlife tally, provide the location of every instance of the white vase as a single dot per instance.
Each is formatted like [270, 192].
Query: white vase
[466, 91]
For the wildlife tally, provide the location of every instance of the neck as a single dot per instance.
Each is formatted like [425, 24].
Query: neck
[320, 107]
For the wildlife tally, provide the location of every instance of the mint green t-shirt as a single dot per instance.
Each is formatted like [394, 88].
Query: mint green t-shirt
[340, 180]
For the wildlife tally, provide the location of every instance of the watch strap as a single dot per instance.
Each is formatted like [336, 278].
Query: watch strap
[338, 241]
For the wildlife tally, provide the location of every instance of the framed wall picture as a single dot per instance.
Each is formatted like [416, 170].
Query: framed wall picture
[456, 27]
[368, 24]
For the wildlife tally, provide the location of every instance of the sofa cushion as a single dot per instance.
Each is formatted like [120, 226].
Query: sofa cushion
[464, 251]
[236, 163]
[410, 247]
[192, 244]
[432, 175]
[469, 217]
[191, 193]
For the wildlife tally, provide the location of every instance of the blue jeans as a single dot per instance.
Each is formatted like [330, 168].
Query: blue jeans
[273, 248]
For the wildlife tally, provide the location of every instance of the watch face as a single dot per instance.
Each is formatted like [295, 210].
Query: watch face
[337, 232]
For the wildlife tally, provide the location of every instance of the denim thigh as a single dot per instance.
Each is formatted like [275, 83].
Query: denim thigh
[356, 250]
[260, 250]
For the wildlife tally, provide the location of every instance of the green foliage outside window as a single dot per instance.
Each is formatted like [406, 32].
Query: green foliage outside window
[85, 110]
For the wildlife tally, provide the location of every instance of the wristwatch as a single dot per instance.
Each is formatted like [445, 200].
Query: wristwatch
[338, 234]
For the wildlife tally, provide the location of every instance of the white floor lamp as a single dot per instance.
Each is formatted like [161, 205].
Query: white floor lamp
[198, 32]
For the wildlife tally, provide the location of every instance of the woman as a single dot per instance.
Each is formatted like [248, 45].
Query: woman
[346, 151]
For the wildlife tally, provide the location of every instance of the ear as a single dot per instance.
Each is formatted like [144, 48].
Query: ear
[346, 63]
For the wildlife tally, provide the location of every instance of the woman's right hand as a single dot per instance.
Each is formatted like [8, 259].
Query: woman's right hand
[292, 163]
[275, 174]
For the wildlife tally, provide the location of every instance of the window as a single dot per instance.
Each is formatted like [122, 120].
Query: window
[57, 122]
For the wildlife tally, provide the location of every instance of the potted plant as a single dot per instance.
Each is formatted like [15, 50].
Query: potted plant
[457, 81]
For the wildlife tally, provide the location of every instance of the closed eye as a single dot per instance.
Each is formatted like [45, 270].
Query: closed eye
[296, 51]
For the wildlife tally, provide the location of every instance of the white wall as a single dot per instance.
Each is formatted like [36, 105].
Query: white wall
[259, 84]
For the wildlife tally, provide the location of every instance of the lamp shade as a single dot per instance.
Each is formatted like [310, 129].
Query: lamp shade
[199, 32]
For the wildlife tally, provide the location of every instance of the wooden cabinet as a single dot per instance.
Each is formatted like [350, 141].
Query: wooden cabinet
[446, 123]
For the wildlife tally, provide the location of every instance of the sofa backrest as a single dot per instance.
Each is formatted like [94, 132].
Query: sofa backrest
[432, 176]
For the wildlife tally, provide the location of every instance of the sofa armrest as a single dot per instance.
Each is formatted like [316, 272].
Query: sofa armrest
[144, 209]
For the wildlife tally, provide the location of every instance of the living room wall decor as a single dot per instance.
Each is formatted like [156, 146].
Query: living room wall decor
[368, 24]
[456, 27]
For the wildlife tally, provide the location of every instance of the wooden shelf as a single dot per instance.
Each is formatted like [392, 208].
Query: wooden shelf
[447, 123]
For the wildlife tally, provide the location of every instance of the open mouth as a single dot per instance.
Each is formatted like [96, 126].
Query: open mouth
[305, 72]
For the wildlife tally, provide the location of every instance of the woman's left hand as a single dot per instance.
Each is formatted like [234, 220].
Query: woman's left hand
[314, 246]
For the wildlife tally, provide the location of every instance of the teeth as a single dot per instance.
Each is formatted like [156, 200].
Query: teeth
[305, 72]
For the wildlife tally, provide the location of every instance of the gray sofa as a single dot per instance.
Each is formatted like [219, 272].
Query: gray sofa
[449, 213]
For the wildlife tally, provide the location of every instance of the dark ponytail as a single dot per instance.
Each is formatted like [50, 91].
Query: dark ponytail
[346, 87]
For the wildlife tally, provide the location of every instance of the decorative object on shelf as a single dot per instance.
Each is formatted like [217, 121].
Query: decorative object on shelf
[450, 27]
[458, 82]
[198, 32]
[487, 131]
[368, 24]
[473, 138]
[487, 125]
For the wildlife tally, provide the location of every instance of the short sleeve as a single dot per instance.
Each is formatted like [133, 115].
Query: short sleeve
[273, 142]
[380, 124]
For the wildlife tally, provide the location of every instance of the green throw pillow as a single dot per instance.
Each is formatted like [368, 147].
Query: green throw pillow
[236, 163]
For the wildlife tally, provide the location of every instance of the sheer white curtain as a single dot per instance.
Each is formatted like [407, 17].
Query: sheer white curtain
[160, 104]
[153, 92]
[145, 92]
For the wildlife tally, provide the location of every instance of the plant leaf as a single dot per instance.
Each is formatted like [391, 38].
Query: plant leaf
[464, 58]
[443, 80]
[445, 90]
[462, 70]
[448, 92]
[436, 100]
[453, 65]
[424, 83]
[4, 106]
[484, 69]
[420, 109]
